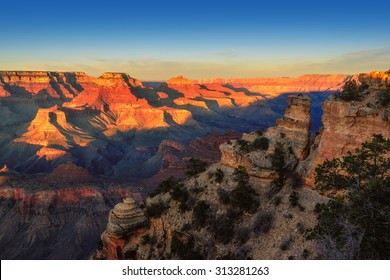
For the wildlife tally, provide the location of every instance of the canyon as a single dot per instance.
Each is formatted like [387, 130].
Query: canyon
[200, 218]
[73, 146]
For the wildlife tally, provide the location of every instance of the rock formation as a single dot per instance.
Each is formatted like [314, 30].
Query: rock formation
[125, 218]
[292, 132]
[296, 124]
[277, 86]
[346, 125]
[376, 79]
[123, 222]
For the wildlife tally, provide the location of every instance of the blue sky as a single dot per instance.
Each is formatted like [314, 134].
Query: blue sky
[155, 40]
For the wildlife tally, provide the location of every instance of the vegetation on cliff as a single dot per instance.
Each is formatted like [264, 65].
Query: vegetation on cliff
[351, 91]
[355, 224]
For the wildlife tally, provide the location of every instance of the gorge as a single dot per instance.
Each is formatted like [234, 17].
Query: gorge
[73, 146]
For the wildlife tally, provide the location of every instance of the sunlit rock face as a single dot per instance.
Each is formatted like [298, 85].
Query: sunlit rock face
[112, 125]
[277, 86]
[296, 124]
[376, 79]
[194, 92]
[346, 125]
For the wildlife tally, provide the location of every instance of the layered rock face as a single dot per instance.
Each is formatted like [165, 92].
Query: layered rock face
[57, 85]
[346, 125]
[123, 222]
[276, 86]
[222, 96]
[296, 124]
[124, 218]
[292, 132]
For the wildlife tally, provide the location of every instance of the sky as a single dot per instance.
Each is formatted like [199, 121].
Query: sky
[156, 40]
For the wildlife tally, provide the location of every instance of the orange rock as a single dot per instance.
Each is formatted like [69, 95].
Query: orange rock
[50, 153]
[276, 86]
[346, 125]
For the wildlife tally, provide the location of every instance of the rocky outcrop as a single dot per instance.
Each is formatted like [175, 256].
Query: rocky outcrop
[295, 124]
[179, 80]
[125, 218]
[123, 222]
[292, 132]
[346, 125]
[376, 79]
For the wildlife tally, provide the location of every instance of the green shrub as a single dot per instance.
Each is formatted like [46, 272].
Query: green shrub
[244, 146]
[294, 199]
[200, 213]
[286, 244]
[155, 210]
[240, 175]
[384, 98]
[165, 186]
[244, 197]
[223, 196]
[180, 194]
[243, 235]
[195, 166]
[355, 225]
[261, 143]
[223, 229]
[278, 160]
[145, 239]
[219, 175]
[184, 247]
[305, 254]
[263, 222]
[260, 132]
[351, 91]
